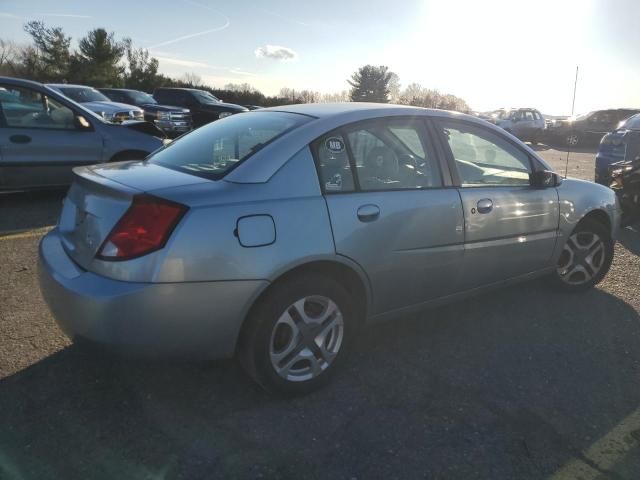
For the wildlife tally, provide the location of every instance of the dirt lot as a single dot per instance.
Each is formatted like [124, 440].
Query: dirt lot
[521, 383]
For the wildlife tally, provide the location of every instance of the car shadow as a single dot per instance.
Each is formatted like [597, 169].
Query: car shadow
[563, 148]
[30, 210]
[509, 385]
[629, 237]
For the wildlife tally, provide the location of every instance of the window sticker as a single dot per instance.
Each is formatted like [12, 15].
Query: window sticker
[335, 184]
[334, 145]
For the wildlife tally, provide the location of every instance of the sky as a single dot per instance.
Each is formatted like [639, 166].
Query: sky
[492, 53]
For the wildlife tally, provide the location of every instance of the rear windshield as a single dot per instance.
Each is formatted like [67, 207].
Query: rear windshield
[213, 150]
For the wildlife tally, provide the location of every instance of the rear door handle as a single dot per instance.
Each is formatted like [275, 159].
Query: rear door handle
[368, 213]
[20, 139]
[485, 205]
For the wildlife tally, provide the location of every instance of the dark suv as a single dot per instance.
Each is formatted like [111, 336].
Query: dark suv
[171, 120]
[204, 106]
[587, 129]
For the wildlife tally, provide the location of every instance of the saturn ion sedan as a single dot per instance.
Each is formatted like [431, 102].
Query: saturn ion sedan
[275, 235]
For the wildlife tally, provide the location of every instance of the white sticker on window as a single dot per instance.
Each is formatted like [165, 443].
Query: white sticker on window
[334, 145]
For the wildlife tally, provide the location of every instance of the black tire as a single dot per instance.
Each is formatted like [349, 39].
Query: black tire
[587, 226]
[258, 333]
[573, 139]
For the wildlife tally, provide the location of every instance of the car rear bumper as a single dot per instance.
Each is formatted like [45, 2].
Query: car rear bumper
[196, 319]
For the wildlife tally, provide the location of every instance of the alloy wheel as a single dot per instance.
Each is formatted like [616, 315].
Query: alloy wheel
[582, 258]
[306, 338]
[573, 139]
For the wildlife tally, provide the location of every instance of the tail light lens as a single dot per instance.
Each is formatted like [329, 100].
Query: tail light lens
[144, 228]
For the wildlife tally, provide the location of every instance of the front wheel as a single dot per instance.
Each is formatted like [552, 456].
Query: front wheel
[586, 257]
[298, 334]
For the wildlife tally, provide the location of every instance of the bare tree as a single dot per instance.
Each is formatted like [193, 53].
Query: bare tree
[337, 97]
[240, 87]
[192, 79]
[394, 88]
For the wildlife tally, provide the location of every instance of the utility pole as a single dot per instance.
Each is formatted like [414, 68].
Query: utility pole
[573, 106]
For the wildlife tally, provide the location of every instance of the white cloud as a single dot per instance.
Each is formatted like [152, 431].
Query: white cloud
[182, 62]
[276, 52]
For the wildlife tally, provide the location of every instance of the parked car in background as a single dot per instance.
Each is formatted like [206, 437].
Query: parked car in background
[44, 134]
[527, 124]
[622, 144]
[99, 103]
[586, 130]
[204, 106]
[171, 120]
[276, 235]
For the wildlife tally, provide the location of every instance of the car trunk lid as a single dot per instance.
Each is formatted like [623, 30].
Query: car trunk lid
[92, 207]
[101, 194]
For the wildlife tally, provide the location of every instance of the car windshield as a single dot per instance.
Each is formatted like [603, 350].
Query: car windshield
[504, 114]
[205, 97]
[141, 98]
[213, 150]
[631, 123]
[82, 95]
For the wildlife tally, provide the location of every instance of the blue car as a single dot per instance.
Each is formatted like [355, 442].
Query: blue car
[275, 235]
[621, 144]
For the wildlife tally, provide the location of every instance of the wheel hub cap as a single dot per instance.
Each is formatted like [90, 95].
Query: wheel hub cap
[582, 258]
[306, 338]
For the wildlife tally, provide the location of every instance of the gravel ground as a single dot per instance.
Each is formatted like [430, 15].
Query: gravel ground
[521, 383]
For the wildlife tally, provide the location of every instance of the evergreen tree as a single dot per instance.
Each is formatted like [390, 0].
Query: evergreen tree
[371, 84]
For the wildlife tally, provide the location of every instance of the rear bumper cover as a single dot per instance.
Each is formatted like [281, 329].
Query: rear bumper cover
[196, 320]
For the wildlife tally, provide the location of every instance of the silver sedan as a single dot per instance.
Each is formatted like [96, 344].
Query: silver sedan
[275, 235]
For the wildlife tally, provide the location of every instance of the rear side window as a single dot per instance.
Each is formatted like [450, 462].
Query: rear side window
[333, 163]
[388, 154]
[215, 149]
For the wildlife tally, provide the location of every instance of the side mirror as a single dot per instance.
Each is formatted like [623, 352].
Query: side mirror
[81, 123]
[544, 179]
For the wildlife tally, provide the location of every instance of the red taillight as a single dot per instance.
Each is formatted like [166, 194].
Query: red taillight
[144, 228]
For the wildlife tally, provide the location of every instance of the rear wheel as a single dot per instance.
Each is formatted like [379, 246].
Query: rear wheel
[586, 257]
[573, 139]
[298, 334]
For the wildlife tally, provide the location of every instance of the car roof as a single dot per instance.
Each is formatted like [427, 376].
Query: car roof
[68, 85]
[119, 89]
[324, 110]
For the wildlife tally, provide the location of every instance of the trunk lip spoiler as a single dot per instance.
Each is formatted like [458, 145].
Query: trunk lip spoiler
[87, 174]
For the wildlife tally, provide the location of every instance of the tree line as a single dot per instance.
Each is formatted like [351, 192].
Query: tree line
[102, 60]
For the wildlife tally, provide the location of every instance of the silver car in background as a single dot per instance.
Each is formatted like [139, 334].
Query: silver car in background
[274, 235]
[527, 124]
[43, 135]
[99, 103]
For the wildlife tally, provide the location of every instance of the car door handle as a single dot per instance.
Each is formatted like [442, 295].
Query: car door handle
[20, 139]
[368, 213]
[485, 205]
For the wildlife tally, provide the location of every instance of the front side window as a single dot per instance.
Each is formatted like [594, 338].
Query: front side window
[26, 108]
[213, 150]
[483, 158]
[528, 115]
